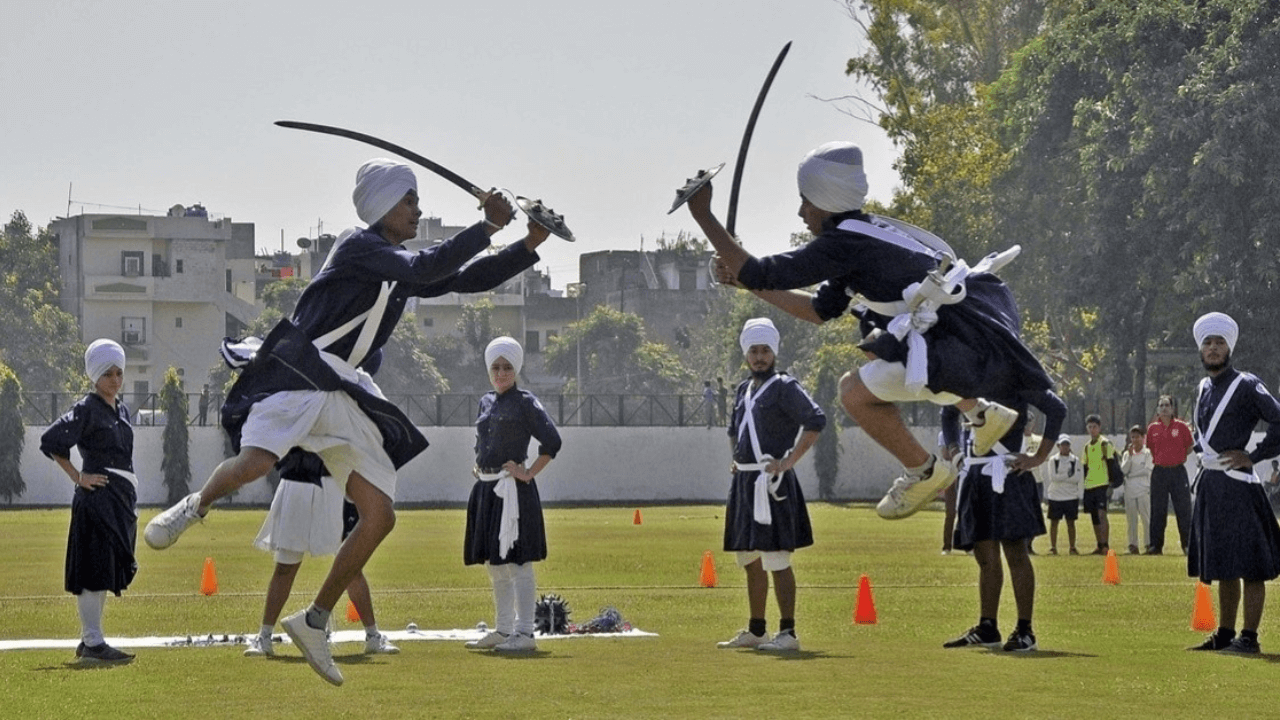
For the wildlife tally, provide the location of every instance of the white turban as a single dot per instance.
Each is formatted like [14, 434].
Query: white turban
[504, 347]
[831, 177]
[1216, 323]
[101, 356]
[759, 331]
[380, 184]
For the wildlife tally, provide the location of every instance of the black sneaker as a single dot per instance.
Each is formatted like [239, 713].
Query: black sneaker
[1242, 645]
[977, 636]
[1020, 641]
[1214, 642]
[103, 653]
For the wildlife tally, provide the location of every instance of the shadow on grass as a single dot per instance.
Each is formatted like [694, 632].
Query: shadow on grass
[75, 665]
[804, 655]
[1040, 654]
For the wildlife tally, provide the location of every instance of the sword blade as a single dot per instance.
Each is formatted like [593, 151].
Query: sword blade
[732, 218]
[390, 147]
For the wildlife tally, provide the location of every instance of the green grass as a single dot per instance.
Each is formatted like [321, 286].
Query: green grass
[1110, 651]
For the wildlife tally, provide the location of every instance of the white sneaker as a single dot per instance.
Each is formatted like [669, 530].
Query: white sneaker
[996, 422]
[517, 642]
[744, 639]
[909, 493]
[378, 645]
[490, 640]
[165, 528]
[782, 642]
[260, 645]
[314, 644]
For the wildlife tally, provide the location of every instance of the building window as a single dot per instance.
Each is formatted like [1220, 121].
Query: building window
[228, 280]
[177, 266]
[177, 322]
[131, 263]
[531, 341]
[133, 330]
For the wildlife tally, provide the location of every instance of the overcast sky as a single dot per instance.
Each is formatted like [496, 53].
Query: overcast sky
[600, 108]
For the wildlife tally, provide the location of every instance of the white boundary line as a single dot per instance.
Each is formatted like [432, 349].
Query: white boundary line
[341, 636]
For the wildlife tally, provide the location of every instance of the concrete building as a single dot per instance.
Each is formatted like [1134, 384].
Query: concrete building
[167, 288]
[669, 288]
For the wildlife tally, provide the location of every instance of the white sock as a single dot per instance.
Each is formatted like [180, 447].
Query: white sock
[526, 589]
[504, 597]
[922, 470]
[90, 605]
[371, 631]
[266, 631]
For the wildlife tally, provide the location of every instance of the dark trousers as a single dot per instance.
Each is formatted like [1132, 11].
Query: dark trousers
[1166, 483]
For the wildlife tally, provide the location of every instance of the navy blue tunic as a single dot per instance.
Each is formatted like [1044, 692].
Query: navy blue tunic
[104, 522]
[1233, 530]
[505, 425]
[781, 412]
[348, 286]
[974, 349]
[1014, 514]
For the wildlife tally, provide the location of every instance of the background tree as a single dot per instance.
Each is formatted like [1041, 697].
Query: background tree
[41, 342]
[1143, 130]
[12, 436]
[616, 357]
[175, 464]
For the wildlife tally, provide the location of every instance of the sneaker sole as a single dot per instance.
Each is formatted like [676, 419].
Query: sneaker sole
[287, 623]
[988, 646]
[999, 426]
[921, 494]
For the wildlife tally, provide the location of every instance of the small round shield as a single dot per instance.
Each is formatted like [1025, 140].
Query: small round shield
[693, 185]
[545, 217]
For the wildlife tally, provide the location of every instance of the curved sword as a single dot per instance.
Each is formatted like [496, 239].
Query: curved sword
[390, 147]
[732, 217]
[533, 208]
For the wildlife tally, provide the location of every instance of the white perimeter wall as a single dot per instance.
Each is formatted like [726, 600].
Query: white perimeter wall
[596, 465]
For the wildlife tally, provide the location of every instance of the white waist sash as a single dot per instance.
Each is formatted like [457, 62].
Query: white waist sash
[994, 467]
[766, 486]
[917, 312]
[509, 526]
[126, 475]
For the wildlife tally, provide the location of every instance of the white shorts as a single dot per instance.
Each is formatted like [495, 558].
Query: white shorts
[303, 519]
[329, 424]
[770, 560]
[888, 382]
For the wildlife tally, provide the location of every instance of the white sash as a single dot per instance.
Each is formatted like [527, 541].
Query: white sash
[504, 486]
[126, 475]
[917, 312]
[766, 485]
[994, 467]
[371, 318]
[237, 354]
[1209, 457]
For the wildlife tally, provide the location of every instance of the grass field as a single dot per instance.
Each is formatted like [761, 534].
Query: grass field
[1106, 650]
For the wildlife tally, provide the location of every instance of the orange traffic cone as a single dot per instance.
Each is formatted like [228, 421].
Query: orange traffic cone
[209, 579]
[636, 519]
[1110, 569]
[353, 615]
[708, 578]
[864, 613]
[1202, 615]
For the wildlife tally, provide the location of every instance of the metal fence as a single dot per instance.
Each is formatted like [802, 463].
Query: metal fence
[459, 409]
